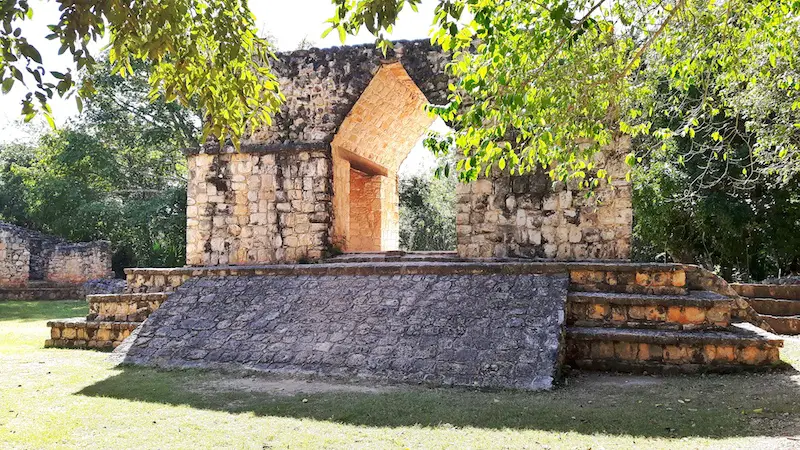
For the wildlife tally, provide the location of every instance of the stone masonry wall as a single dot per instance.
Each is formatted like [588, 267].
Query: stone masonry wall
[529, 216]
[78, 263]
[321, 86]
[258, 207]
[14, 259]
[475, 330]
[365, 212]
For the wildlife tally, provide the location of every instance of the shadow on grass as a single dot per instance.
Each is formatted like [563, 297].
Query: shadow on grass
[713, 406]
[41, 310]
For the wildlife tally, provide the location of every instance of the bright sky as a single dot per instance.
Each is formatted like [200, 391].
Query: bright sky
[289, 22]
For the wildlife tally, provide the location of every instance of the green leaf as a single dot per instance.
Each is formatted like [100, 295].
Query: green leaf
[8, 83]
[31, 52]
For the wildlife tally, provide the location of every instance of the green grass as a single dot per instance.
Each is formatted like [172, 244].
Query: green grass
[73, 399]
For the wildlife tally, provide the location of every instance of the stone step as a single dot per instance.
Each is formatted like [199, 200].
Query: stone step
[743, 347]
[396, 256]
[775, 306]
[123, 307]
[697, 310]
[646, 280]
[783, 324]
[777, 291]
[81, 333]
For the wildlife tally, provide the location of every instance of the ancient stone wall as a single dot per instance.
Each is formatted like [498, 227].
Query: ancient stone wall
[476, 330]
[27, 255]
[14, 258]
[258, 207]
[78, 263]
[529, 216]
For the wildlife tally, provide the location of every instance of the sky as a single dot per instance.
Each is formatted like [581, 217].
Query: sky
[289, 22]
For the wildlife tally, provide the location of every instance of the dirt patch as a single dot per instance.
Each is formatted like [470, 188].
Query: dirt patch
[616, 380]
[280, 386]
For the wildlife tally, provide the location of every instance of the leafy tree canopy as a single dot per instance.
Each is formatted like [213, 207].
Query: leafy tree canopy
[203, 52]
[535, 81]
[543, 82]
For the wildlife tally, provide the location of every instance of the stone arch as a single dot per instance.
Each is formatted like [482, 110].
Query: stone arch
[350, 118]
[367, 150]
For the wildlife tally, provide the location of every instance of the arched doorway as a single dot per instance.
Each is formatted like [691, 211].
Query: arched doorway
[375, 138]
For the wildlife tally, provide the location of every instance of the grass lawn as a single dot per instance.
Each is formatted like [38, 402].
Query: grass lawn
[79, 399]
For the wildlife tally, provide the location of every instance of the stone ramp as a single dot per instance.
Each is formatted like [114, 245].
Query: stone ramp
[486, 330]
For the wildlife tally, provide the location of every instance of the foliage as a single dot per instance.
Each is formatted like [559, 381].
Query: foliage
[203, 52]
[732, 213]
[549, 82]
[427, 213]
[116, 174]
[12, 187]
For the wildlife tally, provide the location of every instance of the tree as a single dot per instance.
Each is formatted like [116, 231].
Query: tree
[427, 213]
[707, 199]
[203, 52]
[536, 80]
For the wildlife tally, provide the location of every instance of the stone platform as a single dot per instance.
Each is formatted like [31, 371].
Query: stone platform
[619, 316]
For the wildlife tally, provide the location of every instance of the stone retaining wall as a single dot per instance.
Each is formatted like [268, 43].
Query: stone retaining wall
[778, 291]
[474, 330]
[648, 350]
[77, 333]
[123, 307]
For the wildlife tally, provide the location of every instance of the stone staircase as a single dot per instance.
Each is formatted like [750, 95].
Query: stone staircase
[662, 319]
[111, 319]
[779, 305]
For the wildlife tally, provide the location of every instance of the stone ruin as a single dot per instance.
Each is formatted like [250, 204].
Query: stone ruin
[539, 280]
[28, 257]
[323, 178]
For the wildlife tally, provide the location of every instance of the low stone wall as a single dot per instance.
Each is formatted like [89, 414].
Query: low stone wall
[48, 292]
[489, 330]
[155, 280]
[14, 259]
[530, 216]
[79, 263]
[624, 310]
[258, 207]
